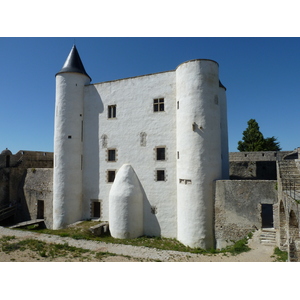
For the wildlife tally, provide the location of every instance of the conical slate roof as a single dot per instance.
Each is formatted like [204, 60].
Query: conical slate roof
[73, 64]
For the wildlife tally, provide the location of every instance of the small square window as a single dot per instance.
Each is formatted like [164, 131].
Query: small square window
[111, 174]
[112, 111]
[160, 175]
[111, 153]
[160, 153]
[158, 105]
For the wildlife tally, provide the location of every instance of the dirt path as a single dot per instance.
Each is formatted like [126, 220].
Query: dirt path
[126, 253]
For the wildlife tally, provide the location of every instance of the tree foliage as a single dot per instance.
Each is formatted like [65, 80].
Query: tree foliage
[253, 140]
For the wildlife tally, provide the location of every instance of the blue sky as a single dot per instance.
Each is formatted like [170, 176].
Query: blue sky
[261, 76]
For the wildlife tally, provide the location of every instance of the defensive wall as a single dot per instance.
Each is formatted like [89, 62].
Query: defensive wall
[13, 171]
[259, 165]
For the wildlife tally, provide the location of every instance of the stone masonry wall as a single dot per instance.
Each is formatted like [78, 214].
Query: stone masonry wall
[38, 187]
[238, 208]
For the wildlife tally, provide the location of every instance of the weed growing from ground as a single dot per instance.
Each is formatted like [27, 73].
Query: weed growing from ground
[280, 256]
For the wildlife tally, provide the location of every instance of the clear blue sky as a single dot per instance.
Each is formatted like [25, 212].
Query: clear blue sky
[261, 76]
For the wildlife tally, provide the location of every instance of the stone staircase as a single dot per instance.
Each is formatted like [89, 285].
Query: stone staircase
[7, 212]
[290, 178]
[268, 237]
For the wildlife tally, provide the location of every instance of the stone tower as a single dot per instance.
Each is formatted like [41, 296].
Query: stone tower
[68, 141]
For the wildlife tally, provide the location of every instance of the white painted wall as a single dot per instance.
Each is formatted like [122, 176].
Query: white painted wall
[134, 100]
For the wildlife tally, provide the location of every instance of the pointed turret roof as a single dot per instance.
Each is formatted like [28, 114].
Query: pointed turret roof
[73, 64]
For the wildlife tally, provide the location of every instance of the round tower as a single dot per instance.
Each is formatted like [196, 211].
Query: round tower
[199, 150]
[68, 141]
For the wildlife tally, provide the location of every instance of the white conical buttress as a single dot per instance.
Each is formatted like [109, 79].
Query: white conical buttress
[126, 205]
[199, 150]
[68, 144]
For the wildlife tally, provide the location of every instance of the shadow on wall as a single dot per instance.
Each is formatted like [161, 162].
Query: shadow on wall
[92, 108]
[151, 225]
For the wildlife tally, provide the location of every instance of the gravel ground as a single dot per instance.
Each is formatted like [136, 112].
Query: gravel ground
[258, 252]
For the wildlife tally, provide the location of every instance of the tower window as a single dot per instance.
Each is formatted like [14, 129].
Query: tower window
[112, 111]
[111, 174]
[158, 104]
[160, 153]
[160, 175]
[111, 155]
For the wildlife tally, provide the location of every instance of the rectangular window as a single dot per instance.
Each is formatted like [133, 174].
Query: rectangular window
[160, 153]
[158, 104]
[111, 174]
[111, 153]
[160, 175]
[112, 111]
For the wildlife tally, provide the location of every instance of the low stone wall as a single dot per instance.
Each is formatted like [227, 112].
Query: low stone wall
[238, 208]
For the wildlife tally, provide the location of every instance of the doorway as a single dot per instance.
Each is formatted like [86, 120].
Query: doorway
[40, 209]
[267, 216]
[96, 209]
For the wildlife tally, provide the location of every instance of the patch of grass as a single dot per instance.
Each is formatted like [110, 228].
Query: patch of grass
[7, 238]
[81, 231]
[280, 256]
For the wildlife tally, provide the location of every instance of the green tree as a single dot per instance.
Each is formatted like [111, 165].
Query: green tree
[253, 140]
[271, 144]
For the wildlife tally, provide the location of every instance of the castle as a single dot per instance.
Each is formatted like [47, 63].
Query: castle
[142, 153]
[149, 155]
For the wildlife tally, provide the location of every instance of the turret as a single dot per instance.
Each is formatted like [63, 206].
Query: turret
[68, 141]
[198, 150]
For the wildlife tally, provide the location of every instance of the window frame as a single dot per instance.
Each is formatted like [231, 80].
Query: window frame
[108, 174]
[112, 111]
[160, 156]
[109, 151]
[159, 177]
[158, 104]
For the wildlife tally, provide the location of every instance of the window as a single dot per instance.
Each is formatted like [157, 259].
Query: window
[111, 174]
[160, 153]
[158, 104]
[112, 111]
[160, 175]
[185, 181]
[111, 155]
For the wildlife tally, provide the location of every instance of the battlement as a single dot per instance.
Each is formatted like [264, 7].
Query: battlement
[26, 159]
[258, 156]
